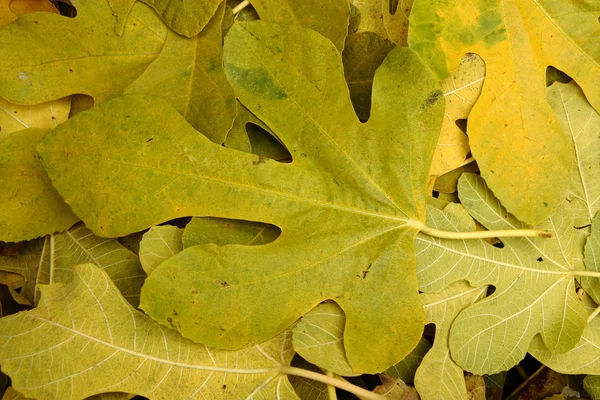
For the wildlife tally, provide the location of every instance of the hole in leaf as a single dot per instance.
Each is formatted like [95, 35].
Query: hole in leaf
[556, 75]
[490, 290]
[462, 125]
[265, 145]
[498, 244]
[79, 103]
[393, 6]
[540, 259]
[435, 194]
[429, 332]
[224, 231]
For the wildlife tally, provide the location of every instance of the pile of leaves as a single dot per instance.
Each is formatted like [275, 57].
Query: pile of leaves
[277, 198]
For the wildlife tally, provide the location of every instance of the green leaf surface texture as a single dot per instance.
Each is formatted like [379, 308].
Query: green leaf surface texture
[344, 205]
[38, 66]
[84, 339]
[188, 73]
[31, 207]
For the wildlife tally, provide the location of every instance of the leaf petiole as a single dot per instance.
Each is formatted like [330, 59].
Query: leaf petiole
[484, 234]
[593, 314]
[329, 380]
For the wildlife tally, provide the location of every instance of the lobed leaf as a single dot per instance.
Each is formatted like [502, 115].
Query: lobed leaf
[84, 339]
[340, 202]
[517, 40]
[535, 288]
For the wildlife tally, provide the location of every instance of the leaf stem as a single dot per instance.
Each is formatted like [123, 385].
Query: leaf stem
[485, 234]
[330, 388]
[593, 314]
[240, 6]
[328, 380]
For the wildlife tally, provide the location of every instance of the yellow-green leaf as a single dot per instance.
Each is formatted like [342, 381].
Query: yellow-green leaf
[377, 16]
[158, 244]
[584, 358]
[228, 231]
[340, 202]
[31, 207]
[14, 117]
[25, 263]
[84, 339]
[363, 54]
[533, 277]
[319, 339]
[79, 245]
[591, 384]
[329, 18]
[461, 90]
[406, 368]
[186, 17]
[515, 137]
[189, 74]
[92, 59]
[438, 376]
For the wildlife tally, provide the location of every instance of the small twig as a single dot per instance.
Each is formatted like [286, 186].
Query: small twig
[240, 6]
[526, 382]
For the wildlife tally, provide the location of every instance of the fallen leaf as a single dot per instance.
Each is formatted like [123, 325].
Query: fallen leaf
[93, 60]
[15, 118]
[515, 137]
[329, 18]
[25, 263]
[339, 201]
[438, 376]
[406, 368]
[125, 350]
[79, 245]
[592, 386]
[395, 389]
[31, 207]
[475, 387]
[534, 281]
[376, 16]
[22, 7]
[584, 358]
[188, 73]
[363, 54]
[319, 339]
[461, 90]
[158, 244]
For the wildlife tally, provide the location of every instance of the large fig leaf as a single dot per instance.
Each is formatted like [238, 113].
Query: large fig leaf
[514, 135]
[351, 201]
[47, 56]
[534, 281]
[84, 339]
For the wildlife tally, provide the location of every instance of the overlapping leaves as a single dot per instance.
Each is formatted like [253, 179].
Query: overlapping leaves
[335, 185]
